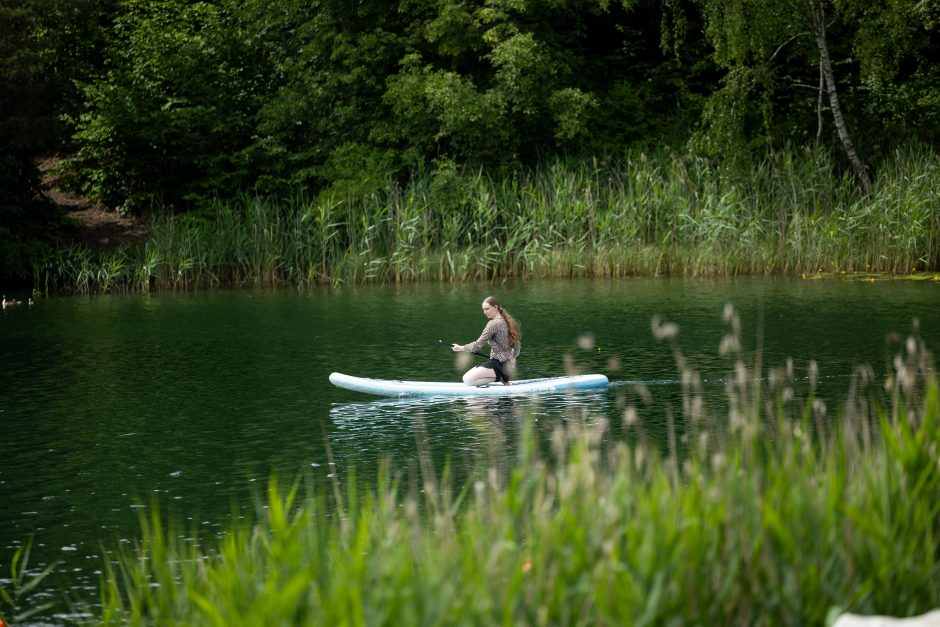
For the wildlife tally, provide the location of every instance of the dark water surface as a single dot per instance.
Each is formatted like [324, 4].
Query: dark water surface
[195, 399]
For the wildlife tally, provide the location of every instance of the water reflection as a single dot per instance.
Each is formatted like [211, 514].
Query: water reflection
[378, 414]
[465, 427]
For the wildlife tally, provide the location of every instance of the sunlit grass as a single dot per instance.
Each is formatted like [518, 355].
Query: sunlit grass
[772, 515]
[665, 214]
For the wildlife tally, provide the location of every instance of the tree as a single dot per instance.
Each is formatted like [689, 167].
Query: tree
[770, 51]
[509, 81]
[895, 44]
[828, 76]
[173, 116]
[765, 49]
[26, 129]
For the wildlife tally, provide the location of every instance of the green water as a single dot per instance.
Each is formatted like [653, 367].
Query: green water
[195, 399]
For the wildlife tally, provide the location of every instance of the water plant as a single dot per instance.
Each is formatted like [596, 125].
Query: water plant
[636, 215]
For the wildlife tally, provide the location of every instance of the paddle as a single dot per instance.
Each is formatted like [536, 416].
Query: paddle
[520, 366]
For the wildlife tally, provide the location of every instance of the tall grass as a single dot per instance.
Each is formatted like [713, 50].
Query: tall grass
[19, 594]
[639, 215]
[782, 518]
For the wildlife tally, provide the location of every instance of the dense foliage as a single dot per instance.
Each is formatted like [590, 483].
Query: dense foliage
[45, 45]
[22, 217]
[204, 99]
[178, 102]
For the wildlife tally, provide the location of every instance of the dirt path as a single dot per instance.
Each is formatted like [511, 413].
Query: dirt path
[98, 227]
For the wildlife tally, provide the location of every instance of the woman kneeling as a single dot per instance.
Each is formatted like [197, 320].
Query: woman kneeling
[503, 335]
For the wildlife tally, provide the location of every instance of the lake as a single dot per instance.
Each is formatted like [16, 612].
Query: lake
[110, 403]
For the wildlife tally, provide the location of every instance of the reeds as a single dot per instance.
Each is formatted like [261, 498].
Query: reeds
[787, 514]
[18, 602]
[791, 214]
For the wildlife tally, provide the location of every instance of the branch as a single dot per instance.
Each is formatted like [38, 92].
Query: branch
[805, 86]
[819, 105]
[781, 46]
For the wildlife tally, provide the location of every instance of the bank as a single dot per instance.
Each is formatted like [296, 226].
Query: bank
[794, 214]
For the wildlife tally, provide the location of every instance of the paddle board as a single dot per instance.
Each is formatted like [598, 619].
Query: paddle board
[389, 387]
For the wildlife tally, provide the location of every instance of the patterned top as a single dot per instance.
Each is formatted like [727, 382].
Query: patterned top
[496, 334]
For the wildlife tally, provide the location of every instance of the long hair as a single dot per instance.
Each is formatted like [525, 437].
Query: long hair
[515, 333]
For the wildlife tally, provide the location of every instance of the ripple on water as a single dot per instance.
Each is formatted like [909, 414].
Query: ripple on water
[195, 399]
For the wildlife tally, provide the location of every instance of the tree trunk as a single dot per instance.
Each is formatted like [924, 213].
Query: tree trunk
[825, 65]
[819, 106]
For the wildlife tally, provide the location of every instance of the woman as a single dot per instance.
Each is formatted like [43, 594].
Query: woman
[502, 334]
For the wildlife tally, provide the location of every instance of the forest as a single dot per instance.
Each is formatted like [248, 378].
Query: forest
[176, 107]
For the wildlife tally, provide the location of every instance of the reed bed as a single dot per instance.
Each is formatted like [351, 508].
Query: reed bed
[664, 214]
[787, 516]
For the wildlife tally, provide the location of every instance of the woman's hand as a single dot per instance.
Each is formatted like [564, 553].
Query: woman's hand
[455, 347]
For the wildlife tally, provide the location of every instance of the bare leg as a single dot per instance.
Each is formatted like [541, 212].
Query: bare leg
[479, 375]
